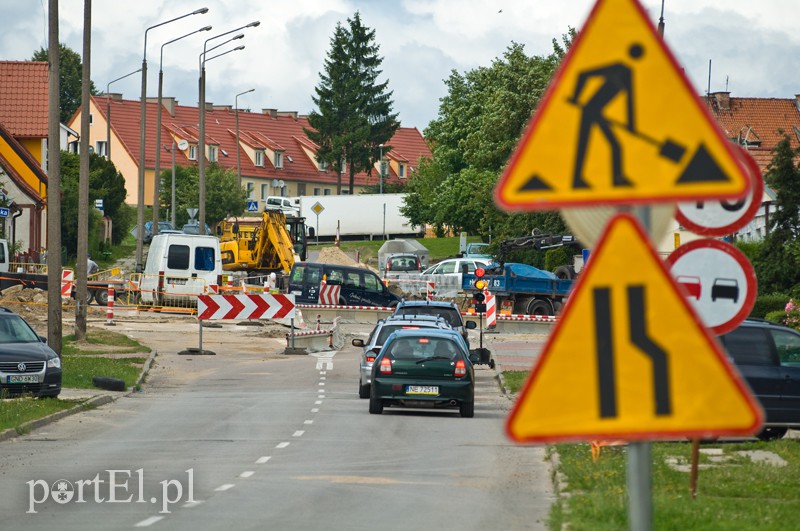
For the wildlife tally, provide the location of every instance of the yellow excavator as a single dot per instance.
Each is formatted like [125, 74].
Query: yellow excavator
[262, 245]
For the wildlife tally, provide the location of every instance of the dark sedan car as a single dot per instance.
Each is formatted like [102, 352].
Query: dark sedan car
[27, 364]
[424, 367]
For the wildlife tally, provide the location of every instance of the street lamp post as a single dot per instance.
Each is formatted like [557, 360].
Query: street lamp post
[142, 140]
[157, 174]
[380, 166]
[238, 154]
[201, 162]
[108, 111]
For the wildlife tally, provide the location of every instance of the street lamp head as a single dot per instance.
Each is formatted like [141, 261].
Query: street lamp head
[253, 24]
[201, 11]
[238, 48]
[207, 28]
[240, 36]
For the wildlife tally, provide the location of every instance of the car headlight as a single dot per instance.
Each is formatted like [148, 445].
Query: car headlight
[54, 363]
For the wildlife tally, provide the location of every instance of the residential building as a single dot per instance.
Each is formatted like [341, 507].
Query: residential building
[23, 154]
[276, 156]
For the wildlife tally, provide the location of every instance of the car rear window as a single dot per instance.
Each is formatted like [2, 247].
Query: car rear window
[422, 347]
[387, 330]
[749, 346]
[450, 315]
[403, 263]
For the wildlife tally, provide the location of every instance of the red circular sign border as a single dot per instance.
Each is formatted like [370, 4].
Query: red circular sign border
[746, 266]
[757, 190]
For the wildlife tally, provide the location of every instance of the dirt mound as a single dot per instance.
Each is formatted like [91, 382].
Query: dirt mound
[334, 255]
[30, 303]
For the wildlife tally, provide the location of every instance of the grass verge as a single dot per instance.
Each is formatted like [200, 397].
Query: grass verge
[79, 370]
[17, 411]
[99, 341]
[438, 248]
[515, 380]
[734, 492]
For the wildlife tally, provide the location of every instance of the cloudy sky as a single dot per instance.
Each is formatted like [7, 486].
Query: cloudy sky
[754, 46]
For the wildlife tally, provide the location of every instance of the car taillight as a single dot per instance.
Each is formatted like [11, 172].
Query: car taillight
[386, 366]
[388, 265]
[461, 369]
[370, 359]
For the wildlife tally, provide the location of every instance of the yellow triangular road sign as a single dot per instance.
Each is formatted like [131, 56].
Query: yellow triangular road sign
[620, 123]
[629, 359]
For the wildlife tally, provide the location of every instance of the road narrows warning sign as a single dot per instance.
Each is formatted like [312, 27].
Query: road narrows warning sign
[629, 359]
[620, 123]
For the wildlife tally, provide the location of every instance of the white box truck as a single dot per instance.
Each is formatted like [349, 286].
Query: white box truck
[364, 216]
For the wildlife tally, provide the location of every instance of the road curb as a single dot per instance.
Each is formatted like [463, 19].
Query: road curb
[91, 403]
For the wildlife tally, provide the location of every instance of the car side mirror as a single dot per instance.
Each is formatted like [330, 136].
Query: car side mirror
[470, 325]
[474, 357]
[358, 342]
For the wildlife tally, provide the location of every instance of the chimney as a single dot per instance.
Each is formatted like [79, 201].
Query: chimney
[209, 106]
[223, 107]
[169, 104]
[723, 100]
[113, 96]
[270, 112]
[290, 114]
[797, 101]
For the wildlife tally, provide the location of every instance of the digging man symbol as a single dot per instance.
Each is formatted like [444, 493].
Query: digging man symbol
[616, 80]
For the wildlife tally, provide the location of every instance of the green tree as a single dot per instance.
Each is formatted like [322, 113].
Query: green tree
[70, 75]
[223, 194]
[354, 113]
[480, 122]
[778, 259]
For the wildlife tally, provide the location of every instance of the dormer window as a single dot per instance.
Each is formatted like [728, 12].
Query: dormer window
[193, 152]
[279, 159]
[259, 157]
[401, 172]
[322, 165]
[213, 153]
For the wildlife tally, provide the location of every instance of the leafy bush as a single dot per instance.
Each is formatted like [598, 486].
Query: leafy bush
[777, 317]
[769, 303]
[556, 257]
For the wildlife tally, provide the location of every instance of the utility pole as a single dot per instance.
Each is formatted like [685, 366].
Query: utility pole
[53, 182]
[81, 265]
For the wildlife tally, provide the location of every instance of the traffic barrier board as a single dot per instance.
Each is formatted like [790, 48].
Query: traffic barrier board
[249, 306]
[620, 123]
[629, 359]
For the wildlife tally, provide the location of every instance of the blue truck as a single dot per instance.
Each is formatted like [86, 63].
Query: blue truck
[522, 289]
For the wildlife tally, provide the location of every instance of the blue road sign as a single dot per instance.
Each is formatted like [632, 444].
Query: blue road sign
[252, 206]
[3, 212]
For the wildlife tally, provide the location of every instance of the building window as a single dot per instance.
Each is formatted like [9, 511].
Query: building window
[317, 191]
[345, 191]
[250, 190]
[301, 188]
[322, 165]
[213, 153]
[326, 191]
[259, 158]
[91, 118]
[264, 192]
[401, 172]
[102, 148]
[279, 159]
[193, 152]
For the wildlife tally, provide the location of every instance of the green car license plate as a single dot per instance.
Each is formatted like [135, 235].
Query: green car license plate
[422, 390]
[23, 378]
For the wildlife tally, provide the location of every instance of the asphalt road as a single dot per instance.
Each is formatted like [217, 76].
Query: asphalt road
[252, 439]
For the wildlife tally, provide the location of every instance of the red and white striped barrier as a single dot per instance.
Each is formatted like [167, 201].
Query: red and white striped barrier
[110, 308]
[67, 279]
[343, 307]
[329, 293]
[431, 291]
[518, 317]
[252, 306]
[491, 308]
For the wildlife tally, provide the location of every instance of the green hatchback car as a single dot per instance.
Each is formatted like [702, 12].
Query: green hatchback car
[424, 367]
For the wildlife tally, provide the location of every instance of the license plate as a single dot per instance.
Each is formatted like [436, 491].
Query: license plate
[23, 378]
[422, 390]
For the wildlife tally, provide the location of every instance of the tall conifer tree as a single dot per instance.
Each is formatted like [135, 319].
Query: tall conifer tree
[354, 113]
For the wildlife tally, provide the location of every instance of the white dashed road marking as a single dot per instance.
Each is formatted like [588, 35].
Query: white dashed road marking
[147, 522]
[226, 486]
[282, 445]
[246, 474]
[298, 433]
[262, 460]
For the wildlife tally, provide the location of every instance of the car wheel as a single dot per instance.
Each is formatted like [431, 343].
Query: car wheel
[772, 433]
[491, 364]
[363, 390]
[467, 409]
[375, 403]
[565, 272]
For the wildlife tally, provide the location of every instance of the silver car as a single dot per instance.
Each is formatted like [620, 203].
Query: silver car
[385, 328]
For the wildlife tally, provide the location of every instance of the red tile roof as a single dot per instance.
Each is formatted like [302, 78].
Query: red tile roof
[283, 131]
[23, 98]
[757, 123]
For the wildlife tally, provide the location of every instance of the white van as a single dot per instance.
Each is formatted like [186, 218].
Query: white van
[288, 205]
[179, 267]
